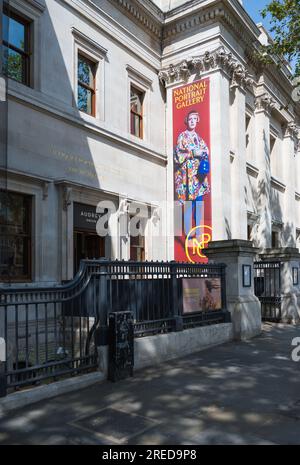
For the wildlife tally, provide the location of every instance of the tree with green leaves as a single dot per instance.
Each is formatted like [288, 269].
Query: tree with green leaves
[285, 26]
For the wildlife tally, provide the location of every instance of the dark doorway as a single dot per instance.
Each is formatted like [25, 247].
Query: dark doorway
[87, 245]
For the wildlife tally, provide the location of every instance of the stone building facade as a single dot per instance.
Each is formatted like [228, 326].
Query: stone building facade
[72, 143]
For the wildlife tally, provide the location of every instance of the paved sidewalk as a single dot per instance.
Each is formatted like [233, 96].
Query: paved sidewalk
[237, 393]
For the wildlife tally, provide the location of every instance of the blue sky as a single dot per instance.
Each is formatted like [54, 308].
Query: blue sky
[254, 7]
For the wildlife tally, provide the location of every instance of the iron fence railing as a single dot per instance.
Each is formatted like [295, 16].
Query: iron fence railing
[267, 287]
[53, 331]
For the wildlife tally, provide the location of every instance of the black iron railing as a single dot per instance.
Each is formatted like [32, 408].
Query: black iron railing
[267, 287]
[50, 332]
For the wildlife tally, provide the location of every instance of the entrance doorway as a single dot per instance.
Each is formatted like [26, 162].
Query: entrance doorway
[87, 245]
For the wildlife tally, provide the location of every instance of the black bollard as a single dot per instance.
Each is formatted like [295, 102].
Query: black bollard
[120, 346]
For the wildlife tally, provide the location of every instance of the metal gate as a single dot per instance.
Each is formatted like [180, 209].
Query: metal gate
[49, 332]
[267, 287]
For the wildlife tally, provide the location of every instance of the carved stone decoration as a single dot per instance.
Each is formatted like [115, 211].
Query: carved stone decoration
[45, 188]
[240, 77]
[291, 130]
[123, 212]
[210, 60]
[124, 206]
[183, 70]
[67, 192]
[265, 103]
[175, 73]
[205, 62]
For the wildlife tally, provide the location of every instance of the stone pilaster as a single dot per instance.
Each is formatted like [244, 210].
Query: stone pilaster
[264, 105]
[238, 163]
[243, 305]
[289, 179]
[220, 157]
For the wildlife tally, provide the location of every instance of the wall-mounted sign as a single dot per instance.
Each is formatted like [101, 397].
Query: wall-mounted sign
[192, 173]
[201, 294]
[246, 275]
[85, 217]
[295, 276]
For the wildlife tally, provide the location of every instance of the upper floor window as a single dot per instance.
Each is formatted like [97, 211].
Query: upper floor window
[16, 47]
[15, 236]
[86, 73]
[136, 112]
[137, 242]
[275, 239]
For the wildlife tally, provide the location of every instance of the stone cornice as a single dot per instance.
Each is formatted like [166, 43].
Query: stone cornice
[183, 18]
[210, 60]
[194, 13]
[252, 170]
[149, 16]
[34, 6]
[278, 185]
[23, 176]
[191, 15]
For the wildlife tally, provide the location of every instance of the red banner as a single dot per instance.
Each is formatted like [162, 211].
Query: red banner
[192, 173]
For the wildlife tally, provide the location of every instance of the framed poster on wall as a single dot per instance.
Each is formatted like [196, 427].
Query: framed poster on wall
[201, 294]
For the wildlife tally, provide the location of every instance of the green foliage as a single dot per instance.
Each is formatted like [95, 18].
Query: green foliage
[285, 26]
[12, 65]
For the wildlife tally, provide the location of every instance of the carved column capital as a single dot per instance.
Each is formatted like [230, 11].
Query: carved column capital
[179, 72]
[265, 103]
[210, 60]
[45, 189]
[67, 193]
[291, 130]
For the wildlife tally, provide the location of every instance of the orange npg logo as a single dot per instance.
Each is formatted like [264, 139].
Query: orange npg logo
[196, 240]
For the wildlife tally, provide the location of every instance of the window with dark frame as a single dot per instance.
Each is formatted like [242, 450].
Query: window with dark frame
[15, 236]
[86, 95]
[247, 122]
[275, 239]
[136, 112]
[249, 232]
[137, 244]
[16, 46]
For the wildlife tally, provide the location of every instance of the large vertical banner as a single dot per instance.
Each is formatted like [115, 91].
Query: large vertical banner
[192, 173]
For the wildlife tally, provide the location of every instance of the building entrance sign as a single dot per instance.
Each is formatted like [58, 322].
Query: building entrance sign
[192, 174]
[85, 217]
[87, 243]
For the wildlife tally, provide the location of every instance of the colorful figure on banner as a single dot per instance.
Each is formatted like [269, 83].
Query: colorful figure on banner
[208, 301]
[191, 162]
